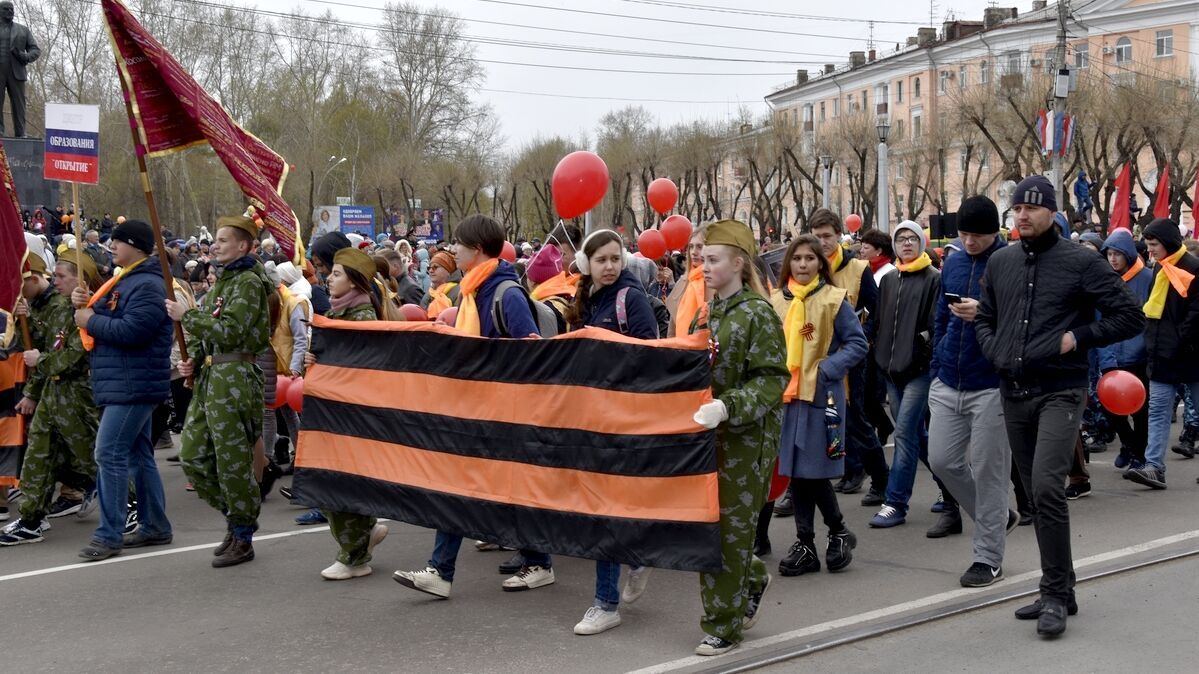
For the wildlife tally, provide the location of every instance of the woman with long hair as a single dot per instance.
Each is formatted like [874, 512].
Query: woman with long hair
[690, 296]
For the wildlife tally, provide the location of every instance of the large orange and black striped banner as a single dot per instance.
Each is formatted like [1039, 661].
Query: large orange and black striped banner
[582, 445]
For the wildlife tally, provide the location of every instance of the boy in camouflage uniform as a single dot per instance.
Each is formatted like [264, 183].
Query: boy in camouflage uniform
[62, 433]
[749, 375]
[224, 420]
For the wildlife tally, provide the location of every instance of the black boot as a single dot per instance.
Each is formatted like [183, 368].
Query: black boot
[950, 522]
[800, 559]
[1186, 442]
[270, 474]
[840, 550]
[784, 507]
[238, 552]
[515, 563]
[853, 483]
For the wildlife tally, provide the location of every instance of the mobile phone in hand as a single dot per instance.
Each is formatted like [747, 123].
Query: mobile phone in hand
[953, 298]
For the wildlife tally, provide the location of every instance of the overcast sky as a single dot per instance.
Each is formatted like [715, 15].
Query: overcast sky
[770, 51]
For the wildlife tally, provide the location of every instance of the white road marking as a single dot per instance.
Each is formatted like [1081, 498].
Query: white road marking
[914, 605]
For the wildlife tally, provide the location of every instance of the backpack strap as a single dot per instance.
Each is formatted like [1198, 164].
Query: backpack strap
[622, 312]
[497, 306]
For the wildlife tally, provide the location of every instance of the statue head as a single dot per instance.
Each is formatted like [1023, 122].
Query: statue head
[6, 11]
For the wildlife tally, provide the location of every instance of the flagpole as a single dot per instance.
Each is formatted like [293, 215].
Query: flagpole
[78, 234]
[138, 150]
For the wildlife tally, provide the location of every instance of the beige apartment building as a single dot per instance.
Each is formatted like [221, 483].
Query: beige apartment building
[915, 87]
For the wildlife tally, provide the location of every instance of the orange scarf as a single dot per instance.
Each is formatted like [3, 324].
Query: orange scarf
[694, 302]
[836, 259]
[1132, 271]
[468, 313]
[441, 300]
[89, 342]
[564, 284]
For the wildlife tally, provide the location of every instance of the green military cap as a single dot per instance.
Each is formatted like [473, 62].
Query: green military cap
[239, 222]
[34, 264]
[352, 258]
[732, 233]
[86, 267]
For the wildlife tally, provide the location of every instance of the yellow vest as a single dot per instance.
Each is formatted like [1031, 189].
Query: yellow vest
[820, 309]
[281, 341]
[849, 278]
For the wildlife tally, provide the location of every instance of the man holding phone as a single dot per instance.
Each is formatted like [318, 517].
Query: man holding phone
[967, 443]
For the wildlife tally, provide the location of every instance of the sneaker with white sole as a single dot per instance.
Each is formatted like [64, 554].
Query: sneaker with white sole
[712, 645]
[529, 578]
[597, 620]
[378, 533]
[20, 535]
[427, 580]
[754, 604]
[638, 580]
[90, 503]
[888, 516]
[63, 506]
[339, 571]
[981, 574]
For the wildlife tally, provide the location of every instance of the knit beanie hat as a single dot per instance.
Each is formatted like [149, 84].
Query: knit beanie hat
[445, 261]
[1035, 191]
[978, 215]
[545, 265]
[135, 233]
[1166, 231]
[911, 227]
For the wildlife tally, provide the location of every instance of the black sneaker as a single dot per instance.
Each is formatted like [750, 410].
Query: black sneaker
[754, 603]
[839, 487]
[1013, 521]
[1026, 519]
[63, 506]
[285, 492]
[270, 475]
[20, 535]
[1186, 443]
[238, 552]
[1033, 611]
[1077, 491]
[784, 507]
[1148, 476]
[981, 575]
[800, 559]
[840, 550]
[874, 497]
[950, 522]
[762, 548]
[853, 484]
[515, 563]
[131, 519]
[714, 646]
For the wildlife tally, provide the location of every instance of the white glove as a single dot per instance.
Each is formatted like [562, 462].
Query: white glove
[709, 415]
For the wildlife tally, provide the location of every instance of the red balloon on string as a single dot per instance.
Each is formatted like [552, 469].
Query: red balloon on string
[662, 194]
[295, 394]
[282, 384]
[853, 221]
[448, 316]
[677, 231]
[413, 312]
[651, 244]
[580, 181]
[508, 253]
[1121, 392]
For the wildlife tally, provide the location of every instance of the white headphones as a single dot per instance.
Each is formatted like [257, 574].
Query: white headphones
[583, 263]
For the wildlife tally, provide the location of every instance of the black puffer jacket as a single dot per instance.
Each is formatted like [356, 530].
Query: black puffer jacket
[1173, 340]
[907, 305]
[1034, 293]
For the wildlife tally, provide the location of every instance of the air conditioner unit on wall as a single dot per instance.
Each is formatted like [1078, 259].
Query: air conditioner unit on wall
[1107, 50]
[1035, 63]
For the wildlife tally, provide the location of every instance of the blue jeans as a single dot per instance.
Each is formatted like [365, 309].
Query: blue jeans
[909, 407]
[1161, 405]
[445, 555]
[125, 450]
[1190, 413]
[607, 585]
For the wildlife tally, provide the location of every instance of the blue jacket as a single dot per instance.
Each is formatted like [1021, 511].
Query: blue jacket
[600, 311]
[131, 360]
[1132, 351]
[958, 361]
[517, 315]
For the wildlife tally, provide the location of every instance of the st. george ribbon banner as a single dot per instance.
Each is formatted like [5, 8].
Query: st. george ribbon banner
[172, 112]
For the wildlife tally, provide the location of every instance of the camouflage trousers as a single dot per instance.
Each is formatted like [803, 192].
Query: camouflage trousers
[61, 447]
[744, 481]
[224, 421]
[353, 534]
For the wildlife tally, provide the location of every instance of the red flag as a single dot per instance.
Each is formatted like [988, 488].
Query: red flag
[12, 240]
[1161, 197]
[172, 112]
[1121, 213]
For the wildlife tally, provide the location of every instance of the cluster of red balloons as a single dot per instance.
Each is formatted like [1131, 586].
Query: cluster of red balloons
[289, 391]
[674, 232]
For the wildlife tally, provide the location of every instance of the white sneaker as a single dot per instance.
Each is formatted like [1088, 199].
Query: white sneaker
[90, 502]
[427, 580]
[597, 620]
[529, 578]
[378, 533]
[341, 571]
[635, 586]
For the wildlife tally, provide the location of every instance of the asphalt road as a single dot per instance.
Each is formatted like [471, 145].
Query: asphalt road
[168, 610]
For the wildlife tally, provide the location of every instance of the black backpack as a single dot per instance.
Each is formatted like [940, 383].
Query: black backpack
[545, 317]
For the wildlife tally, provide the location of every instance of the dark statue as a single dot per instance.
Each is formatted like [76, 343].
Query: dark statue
[17, 50]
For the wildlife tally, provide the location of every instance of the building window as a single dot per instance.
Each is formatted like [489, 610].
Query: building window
[962, 77]
[899, 91]
[916, 88]
[1050, 57]
[963, 161]
[849, 103]
[1013, 63]
[899, 169]
[898, 130]
[1165, 43]
[984, 158]
[836, 107]
[1082, 57]
[916, 130]
[944, 82]
[984, 72]
[822, 117]
[1123, 50]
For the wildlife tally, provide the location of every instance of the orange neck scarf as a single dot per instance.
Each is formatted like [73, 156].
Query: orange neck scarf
[89, 342]
[468, 313]
[1132, 271]
[837, 258]
[441, 300]
[564, 284]
[693, 302]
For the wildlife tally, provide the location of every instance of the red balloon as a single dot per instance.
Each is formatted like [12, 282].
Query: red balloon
[508, 253]
[448, 316]
[413, 312]
[778, 483]
[662, 194]
[1121, 392]
[295, 394]
[580, 181]
[282, 384]
[651, 244]
[677, 231]
[853, 221]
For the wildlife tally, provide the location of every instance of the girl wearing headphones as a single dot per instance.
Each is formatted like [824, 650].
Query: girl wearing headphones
[608, 297]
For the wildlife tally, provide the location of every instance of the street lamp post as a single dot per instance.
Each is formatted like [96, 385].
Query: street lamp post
[884, 220]
[329, 170]
[826, 162]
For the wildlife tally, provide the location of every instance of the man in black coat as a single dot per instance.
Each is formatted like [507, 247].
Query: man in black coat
[1036, 321]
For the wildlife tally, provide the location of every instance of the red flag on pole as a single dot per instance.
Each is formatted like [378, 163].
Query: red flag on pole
[172, 112]
[12, 239]
[1161, 197]
[1121, 207]
[12, 369]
